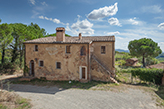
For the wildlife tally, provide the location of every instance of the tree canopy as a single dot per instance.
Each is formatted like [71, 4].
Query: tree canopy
[12, 37]
[143, 48]
[5, 38]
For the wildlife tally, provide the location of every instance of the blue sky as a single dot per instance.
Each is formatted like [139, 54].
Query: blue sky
[126, 19]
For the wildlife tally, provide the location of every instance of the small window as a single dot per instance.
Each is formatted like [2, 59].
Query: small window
[41, 63]
[68, 49]
[36, 47]
[58, 65]
[83, 51]
[59, 30]
[102, 49]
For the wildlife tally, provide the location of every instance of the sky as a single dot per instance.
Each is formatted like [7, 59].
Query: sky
[127, 20]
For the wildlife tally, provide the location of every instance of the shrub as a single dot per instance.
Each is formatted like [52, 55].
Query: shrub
[122, 62]
[148, 75]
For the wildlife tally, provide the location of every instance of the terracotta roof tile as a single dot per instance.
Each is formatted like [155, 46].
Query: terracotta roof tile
[158, 66]
[132, 59]
[85, 39]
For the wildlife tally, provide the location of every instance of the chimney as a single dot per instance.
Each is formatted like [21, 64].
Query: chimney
[80, 37]
[60, 34]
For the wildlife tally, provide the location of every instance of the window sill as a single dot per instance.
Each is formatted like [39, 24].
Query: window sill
[58, 68]
[41, 66]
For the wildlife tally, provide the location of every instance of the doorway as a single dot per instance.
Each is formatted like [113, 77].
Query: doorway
[83, 72]
[31, 68]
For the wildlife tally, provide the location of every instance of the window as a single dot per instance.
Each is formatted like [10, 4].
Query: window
[102, 49]
[41, 63]
[36, 47]
[58, 65]
[59, 30]
[83, 51]
[68, 49]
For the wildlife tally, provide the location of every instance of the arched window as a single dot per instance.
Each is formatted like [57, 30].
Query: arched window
[83, 51]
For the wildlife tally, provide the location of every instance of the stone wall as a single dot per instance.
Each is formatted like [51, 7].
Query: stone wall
[52, 53]
[108, 58]
[70, 63]
[98, 72]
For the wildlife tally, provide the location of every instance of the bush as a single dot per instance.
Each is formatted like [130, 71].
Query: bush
[121, 62]
[148, 75]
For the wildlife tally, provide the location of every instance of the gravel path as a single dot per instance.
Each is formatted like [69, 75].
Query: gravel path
[55, 98]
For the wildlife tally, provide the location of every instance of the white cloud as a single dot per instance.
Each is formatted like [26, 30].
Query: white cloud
[161, 44]
[132, 21]
[161, 25]
[32, 2]
[84, 24]
[41, 17]
[35, 13]
[84, 27]
[148, 31]
[100, 13]
[113, 33]
[44, 3]
[114, 21]
[151, 9]
[39, 8]
[67, 28]
[50, 19]
[56, 21]
[46, 18]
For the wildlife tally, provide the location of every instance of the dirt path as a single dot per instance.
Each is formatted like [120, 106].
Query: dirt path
[10, 76]
[55, 98]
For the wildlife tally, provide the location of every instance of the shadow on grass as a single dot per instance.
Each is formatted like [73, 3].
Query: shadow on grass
[160, 92]
[51, 87]
[61, 84]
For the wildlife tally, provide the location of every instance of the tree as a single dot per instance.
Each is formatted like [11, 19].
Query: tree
[143, 48]
[23, 33]
[5, 38]
[19, 33]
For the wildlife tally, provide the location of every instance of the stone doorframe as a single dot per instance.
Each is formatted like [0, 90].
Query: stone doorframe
[80, 72]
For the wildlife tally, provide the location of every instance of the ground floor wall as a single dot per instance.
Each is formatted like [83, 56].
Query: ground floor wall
[99, 73]
[72, 63]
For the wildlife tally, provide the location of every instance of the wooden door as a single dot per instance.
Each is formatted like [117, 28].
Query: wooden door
[32, 67]
[83, 73]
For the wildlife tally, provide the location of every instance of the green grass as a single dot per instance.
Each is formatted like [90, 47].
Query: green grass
[66, 84]
[157, 91]
[3, 107]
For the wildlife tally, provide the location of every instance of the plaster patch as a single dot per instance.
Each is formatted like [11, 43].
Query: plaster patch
[52, 50]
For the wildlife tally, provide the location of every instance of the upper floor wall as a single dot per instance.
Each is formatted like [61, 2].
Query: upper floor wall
[104, 52]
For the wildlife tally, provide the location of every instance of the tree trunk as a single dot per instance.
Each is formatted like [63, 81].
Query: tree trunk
[21, 55]
[14, 52]
[20, 58]
[3, 55]
[14, 55]
[143, 61]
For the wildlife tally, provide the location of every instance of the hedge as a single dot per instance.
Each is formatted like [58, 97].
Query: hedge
[148, 75]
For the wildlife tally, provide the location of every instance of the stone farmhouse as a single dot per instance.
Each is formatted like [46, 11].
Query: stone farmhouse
[71, 58]
[131, 62]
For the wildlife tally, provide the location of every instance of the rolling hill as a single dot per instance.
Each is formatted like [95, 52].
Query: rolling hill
[121, 50]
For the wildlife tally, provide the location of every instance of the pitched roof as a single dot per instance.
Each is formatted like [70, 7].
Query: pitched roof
[158, 66]
[132, 59]
[85, 39]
